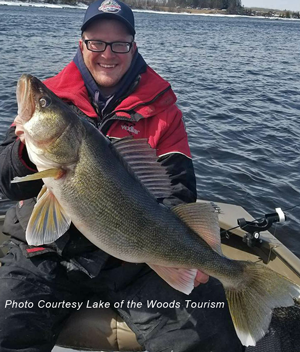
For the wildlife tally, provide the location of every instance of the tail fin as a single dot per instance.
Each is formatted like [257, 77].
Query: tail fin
[251, 304]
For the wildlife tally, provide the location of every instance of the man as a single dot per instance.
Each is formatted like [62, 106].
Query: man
[108, 83]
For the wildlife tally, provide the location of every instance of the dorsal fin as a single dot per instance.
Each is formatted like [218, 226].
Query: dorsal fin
[142, 160]
[202, 219]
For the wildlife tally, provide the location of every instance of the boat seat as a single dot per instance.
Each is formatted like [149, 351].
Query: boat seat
[97, 329]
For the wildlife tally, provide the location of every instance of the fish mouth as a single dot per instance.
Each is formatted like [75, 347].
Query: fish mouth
[25, 98]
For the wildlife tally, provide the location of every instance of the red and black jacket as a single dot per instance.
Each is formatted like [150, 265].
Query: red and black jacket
[149, 111]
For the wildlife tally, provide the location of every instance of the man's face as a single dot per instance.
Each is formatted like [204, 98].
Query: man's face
[107, 67]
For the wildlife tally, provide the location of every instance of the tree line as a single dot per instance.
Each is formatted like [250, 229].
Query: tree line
[229, 5]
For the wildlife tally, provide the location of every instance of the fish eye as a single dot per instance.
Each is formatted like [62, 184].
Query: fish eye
[44, 102]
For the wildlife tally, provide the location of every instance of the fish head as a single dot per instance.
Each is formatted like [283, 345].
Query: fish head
[52, 130]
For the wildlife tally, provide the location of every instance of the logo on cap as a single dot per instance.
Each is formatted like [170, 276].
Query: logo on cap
[110, 6]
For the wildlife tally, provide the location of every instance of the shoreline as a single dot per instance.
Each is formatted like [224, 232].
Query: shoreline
[42, 4]
[215, 14]
[158, 10]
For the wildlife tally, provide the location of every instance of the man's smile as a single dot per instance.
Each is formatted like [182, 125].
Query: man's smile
[107, 66]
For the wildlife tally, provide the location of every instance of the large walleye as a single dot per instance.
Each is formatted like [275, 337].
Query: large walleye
[109, 192]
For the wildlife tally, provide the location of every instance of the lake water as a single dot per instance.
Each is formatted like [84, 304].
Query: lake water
[237, 82]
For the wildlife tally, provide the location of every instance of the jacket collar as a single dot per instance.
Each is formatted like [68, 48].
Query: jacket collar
[152, 95]
[69, 86]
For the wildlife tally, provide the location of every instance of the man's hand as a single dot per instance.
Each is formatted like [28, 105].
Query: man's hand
[201, 278]
[19, 129]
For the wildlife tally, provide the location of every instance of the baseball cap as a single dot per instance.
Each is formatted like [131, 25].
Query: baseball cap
[113, 9]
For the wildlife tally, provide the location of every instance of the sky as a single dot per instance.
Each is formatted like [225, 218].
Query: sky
[293, 5]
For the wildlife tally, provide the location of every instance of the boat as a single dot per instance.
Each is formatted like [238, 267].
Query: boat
[103, 330]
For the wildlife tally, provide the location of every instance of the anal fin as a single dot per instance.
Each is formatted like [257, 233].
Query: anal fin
[179, 278]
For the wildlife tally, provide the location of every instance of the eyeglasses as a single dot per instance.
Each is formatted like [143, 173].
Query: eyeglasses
[99, 46]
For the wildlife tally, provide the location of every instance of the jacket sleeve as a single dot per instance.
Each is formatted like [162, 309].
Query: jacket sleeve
[183, 180]
[14, 162]
[174, 153]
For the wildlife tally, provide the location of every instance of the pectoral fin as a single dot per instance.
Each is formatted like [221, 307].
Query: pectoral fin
[48, 220]
[55, 173]
[179, 278]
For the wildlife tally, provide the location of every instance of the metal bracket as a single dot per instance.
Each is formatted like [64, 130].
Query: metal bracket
[253, 228]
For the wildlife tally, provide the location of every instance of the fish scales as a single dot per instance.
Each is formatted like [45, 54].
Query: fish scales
[126, 214]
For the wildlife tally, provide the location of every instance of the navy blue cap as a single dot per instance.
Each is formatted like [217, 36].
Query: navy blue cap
[113, 9]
